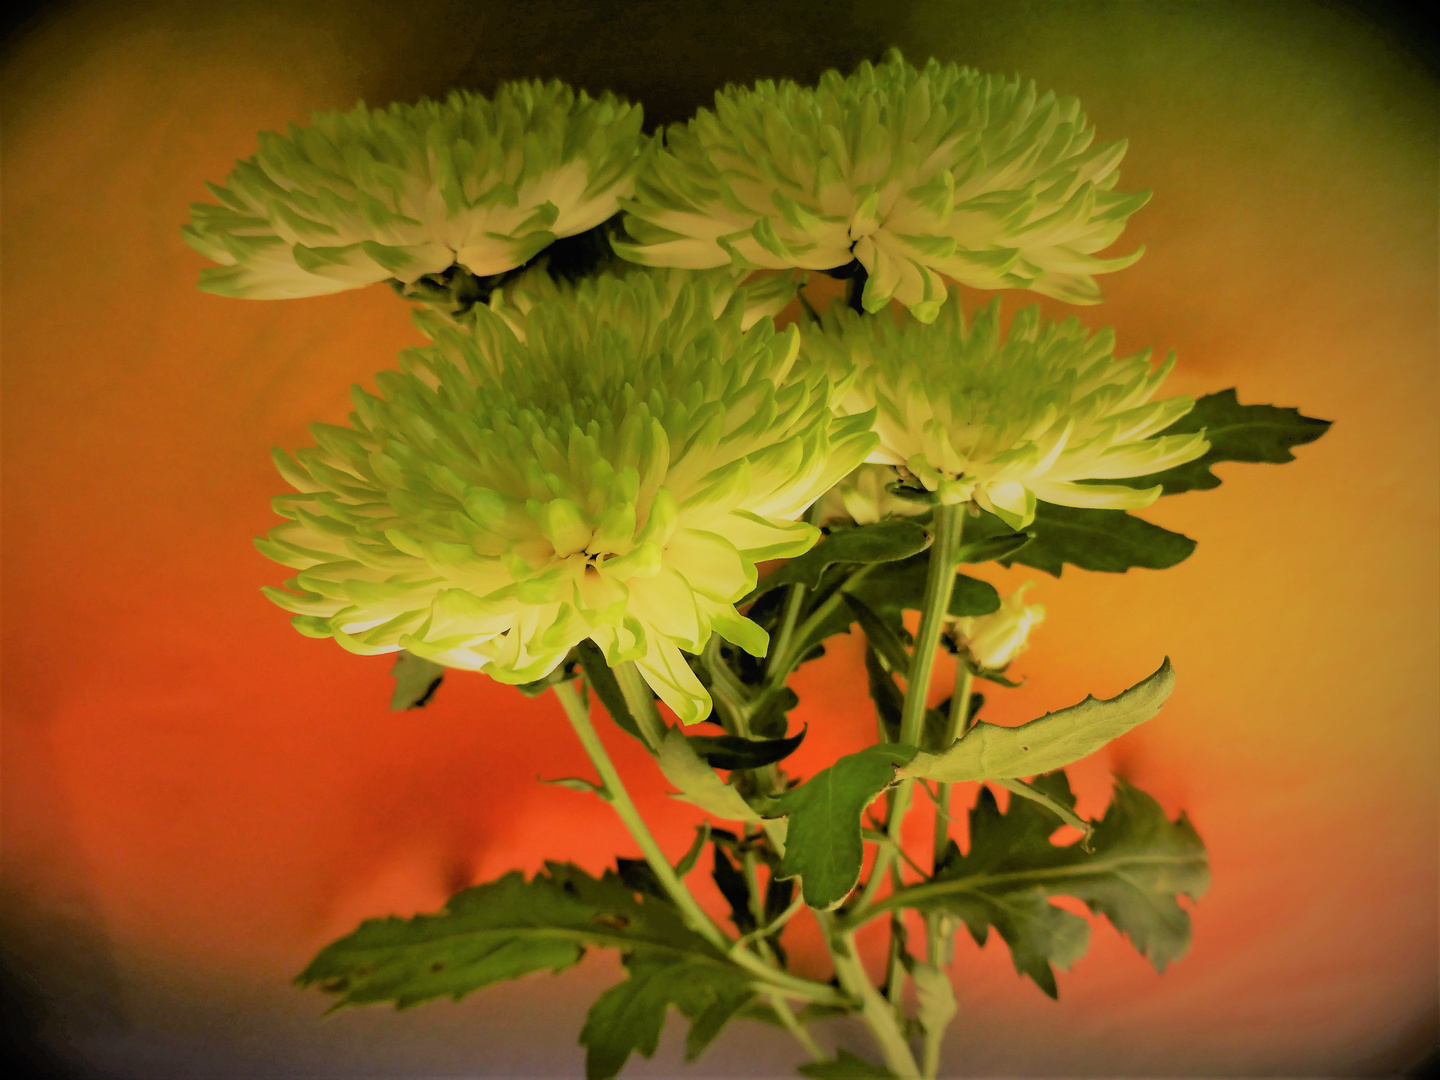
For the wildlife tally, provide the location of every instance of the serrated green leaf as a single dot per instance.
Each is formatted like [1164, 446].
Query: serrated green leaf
[823, 846]
[991, 752]
[602, 681]
[500, 930]
[1107, 541]
[735, 752]
[416, 680]
[884, 541]
[1249, 433]
[697, 781]
[1139, 864]
[630, 1015]
[844, 1066]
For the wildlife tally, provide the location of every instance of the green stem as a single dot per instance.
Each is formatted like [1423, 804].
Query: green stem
[794, 601]
[959, 712]
[939, 584]
[641, 702]
[885, 854]
[690, 910]
[803, 1037]
[873, 1006]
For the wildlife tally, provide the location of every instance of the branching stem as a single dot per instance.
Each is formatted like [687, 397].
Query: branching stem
[690, 910]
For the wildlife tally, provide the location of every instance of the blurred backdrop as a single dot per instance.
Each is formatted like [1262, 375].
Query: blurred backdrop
[196, 798]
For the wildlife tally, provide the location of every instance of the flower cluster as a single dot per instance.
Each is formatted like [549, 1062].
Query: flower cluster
[410, 190]
[914, 173]
[615, 475]
[1004, 420]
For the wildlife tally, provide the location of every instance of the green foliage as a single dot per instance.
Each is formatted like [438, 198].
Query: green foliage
[1109, 541]
[734, 752]
[990, 752]
[501, 930]
[844, 1066]
[602, 680]
[1251, 433]
[416, 680]
[698, 782]
[823, 846]
[630, 1015]
[884, 541]
[1139, 864]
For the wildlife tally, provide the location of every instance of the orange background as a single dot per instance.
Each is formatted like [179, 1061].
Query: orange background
[196, 798]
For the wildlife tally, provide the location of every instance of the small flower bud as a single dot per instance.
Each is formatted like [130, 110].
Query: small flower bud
[992, 641]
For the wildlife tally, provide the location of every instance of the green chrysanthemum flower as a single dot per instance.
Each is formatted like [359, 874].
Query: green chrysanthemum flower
[1004, 422]
[915, 173]
[409, 190]
[863, 497]
[763, 296]
[615, 476]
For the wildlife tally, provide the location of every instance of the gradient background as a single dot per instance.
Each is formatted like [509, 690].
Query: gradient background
[196, 798]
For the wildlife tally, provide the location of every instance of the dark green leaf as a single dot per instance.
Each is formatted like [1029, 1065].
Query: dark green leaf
[500, 930]
[690, 858]
[844, 1066]
[889, 701]
[823, 846]
[602, 681]
[736, 890]
[992, 547]
[895, 587]
[771, 721]
[900, 586]
[884, 638]
[638, 876]
[416, 680]
[734, 752]
[1139, 864]
[1110, 541]
[1252, 433]
[629, 1016]
[991, 752]
[883, 541]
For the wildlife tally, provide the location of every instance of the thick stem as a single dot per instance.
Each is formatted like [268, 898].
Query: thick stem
[873, 1006]
[939, 584]
[641, 702]
[690, 910]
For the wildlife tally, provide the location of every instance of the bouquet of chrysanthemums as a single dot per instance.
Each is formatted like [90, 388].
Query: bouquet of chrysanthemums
[611, 476]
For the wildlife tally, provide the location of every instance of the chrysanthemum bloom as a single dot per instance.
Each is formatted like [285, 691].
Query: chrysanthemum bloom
[615, 476]
[1006, 420]
[993, 640]
[915, 173]
[862, 497]
[410, 190]
[764, 295]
